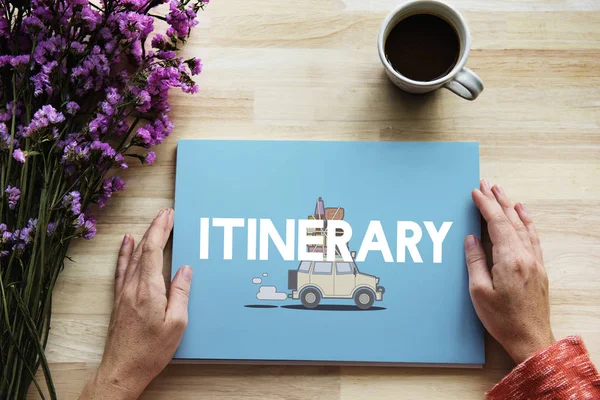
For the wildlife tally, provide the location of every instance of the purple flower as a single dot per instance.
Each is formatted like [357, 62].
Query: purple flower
[19, 61]
[74, 153]
[79, 221]
[143, 135]
[161, 79]
[43, 118]
[91, 72]
[4, 136]
[89, 230]
[98, 126]
[159, 42]
[189, 88]
[163, 126]
[107, 108]
[6, 237]
[109, 186]
[90, 217]
[166, 54]
[143, 101]
[27, 234]
[19, 155]
[119, 159]
[44, 50]
[102, 201]
[5, 60]
[41, 80]
[134, 26]
[51, 228]
[77, 47]
[50, 112]
[152, 134]
[72, 201]
[180, 19]
[18, 248]
[91, 17]
[114, 184]
[150, 157]
[195, 65]
[32, 25]
[134, 4]
[111, 47]
[136, 51]
[14, 194]
[86, 72]
[72, 107]
[103, 148]
[11, 107]
[112, 95]
[121, 128]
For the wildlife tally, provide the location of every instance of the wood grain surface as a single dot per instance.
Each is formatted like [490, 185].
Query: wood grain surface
[309, 69]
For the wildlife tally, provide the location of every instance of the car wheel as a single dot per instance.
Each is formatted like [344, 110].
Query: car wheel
[364, 299]
[310, 298]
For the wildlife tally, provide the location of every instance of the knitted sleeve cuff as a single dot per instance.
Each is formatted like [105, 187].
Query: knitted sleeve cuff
[560, 371]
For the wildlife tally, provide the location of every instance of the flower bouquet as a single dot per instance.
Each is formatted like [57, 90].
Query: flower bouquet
[83, 88]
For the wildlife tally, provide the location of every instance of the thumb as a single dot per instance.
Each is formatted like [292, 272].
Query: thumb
[179, 294]
[480, 279]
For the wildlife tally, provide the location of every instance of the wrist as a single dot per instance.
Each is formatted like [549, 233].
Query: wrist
[107, 383]
[522, 349]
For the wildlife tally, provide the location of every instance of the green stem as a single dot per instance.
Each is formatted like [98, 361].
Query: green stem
[13, 127]
[29, 324]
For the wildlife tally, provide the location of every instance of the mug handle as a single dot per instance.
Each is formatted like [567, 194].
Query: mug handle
[466, 84]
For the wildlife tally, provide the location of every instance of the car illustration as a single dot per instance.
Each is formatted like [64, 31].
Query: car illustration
[339, 279]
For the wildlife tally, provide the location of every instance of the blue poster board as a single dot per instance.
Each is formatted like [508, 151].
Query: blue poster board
[266, 227]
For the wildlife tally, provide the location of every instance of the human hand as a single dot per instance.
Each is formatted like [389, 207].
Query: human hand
[146, 326]
[511, 299]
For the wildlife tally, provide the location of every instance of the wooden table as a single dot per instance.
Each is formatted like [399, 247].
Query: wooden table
[309, 70]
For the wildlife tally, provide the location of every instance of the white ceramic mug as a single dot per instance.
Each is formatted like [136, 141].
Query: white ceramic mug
[461, 80]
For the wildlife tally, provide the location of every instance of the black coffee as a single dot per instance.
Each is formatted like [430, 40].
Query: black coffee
[423, 47]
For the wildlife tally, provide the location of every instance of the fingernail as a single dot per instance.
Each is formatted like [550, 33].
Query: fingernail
[125, 239]
[187, 273]
[500, 190]
[486, 184]
[470, 242]
[161, 212]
